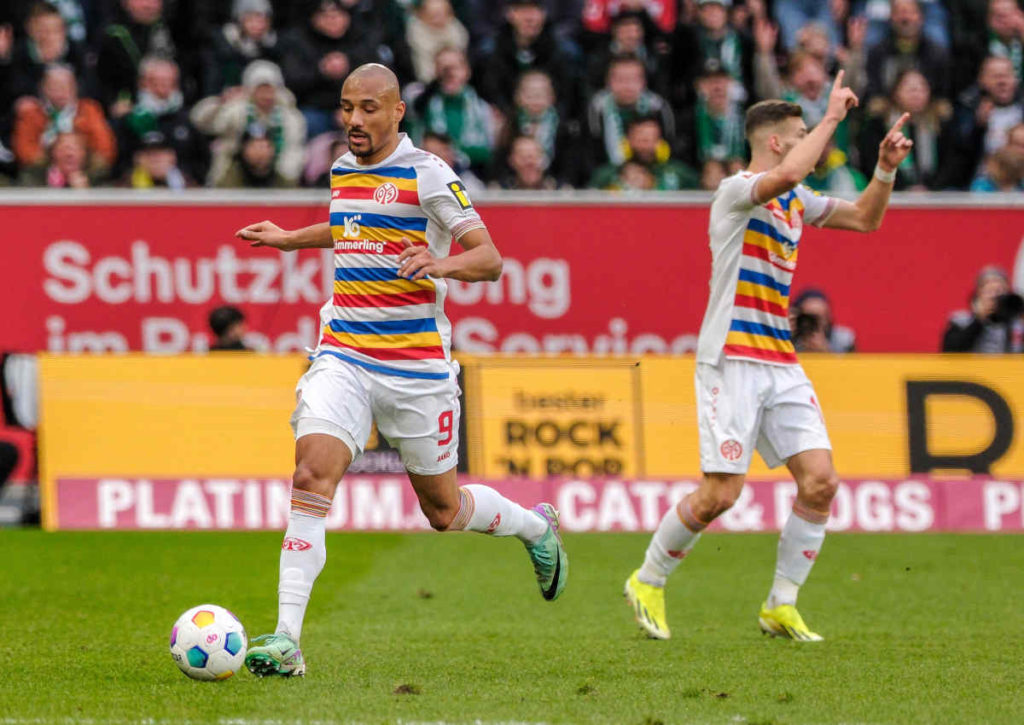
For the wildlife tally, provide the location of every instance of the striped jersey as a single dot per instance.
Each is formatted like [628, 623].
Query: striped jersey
[753, 258]
[376, 319]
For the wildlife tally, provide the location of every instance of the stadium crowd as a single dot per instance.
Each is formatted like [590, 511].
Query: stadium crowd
[514, 94]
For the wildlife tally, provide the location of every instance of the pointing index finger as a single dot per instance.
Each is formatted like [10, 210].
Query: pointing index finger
[899, 124]
[839, 80]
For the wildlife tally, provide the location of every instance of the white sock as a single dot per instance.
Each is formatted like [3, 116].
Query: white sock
[303, 554]
[485, 510]
[675, 536]
[799, 544]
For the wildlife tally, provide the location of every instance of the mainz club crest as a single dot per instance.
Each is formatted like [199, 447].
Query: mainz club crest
[385, 193]
[731, 450]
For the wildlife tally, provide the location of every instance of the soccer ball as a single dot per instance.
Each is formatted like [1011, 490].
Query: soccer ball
[208, 643]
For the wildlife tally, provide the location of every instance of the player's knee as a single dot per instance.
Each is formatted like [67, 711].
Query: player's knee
[440, 518]
[819, 489]
[306, 478]
[714, 504]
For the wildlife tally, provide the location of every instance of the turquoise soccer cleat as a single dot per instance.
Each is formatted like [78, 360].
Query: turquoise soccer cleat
[550, 563]
[275, 654]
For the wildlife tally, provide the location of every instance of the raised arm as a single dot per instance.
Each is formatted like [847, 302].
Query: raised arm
[481, 262]
[865, 214]
[268, 234]
[802, 158]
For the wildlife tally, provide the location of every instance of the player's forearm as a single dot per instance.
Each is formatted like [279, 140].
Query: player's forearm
[311, 237]
[872, 203]
[479, 264]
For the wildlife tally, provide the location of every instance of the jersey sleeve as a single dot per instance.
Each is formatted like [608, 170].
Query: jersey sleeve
[736, 193]
[445, 200]
[817, 208]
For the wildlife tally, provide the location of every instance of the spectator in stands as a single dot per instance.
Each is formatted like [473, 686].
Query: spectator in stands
[160, 106]
[67, 166]
[812, 42]
[337, 149]
[536, 115]
[527, 42]
[1015, 138]
[227, 323]
[155, 166]
[249, 36]
[527, 165]
[647, 147]
[712, 174]
[59, 110]
[441, 145]
[450, 105]
[632, 33]
[316, 60]
[993, 323]
[833, 175]
[1006, 33]
[254, 165]
[264, 103]
[794, 15]
[486, 18]
[319, 157]
[6, 79]
[906, 46]
[1002, 170]
[879, 13]
[599, 15]
[139, 31]
[718, 118]
[712, 38]
[812, 327]
[46, 42]
[929, 127]
[984, 114]
[431, 28]
[624, 97]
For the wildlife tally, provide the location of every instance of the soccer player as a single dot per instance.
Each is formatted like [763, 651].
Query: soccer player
[751, 391]
[384, 353]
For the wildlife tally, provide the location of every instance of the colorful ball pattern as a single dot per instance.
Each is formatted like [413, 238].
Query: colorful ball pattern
[208, 643]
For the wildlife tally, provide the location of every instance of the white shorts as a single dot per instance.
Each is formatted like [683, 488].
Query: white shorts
[418, 417]
[745, 405]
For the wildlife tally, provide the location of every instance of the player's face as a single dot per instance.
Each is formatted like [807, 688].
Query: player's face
[370, 115]
[791, 132]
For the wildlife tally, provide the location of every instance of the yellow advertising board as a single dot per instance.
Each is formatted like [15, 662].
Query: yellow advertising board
[553, 417]
[139, 415]
[887, 415]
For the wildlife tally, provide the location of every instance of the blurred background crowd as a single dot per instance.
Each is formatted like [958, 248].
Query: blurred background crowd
[514, 94]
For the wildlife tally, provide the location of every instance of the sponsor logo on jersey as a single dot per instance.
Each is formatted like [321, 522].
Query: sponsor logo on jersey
[494, 524]
[291, 543]
[731, 450]
[458, 190]
[352, 228]
[385, 193]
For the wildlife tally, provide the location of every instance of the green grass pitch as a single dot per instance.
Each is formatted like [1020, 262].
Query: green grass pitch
[430, 628]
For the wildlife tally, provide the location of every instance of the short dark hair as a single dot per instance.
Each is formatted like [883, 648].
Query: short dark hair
[767, 113]
[224, 317]
[626, 58]
[640, 120]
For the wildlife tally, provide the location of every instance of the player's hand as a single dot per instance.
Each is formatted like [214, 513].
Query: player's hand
[265, 234]
[840, 100]
[416, 262]
[895, 146]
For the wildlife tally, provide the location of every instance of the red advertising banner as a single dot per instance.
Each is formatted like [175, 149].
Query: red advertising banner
[618, 277]
[387, 503]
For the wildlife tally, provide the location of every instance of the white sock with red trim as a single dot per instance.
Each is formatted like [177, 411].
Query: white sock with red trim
[799, 544]
[303, 554]
[674, 538]
[485, 510]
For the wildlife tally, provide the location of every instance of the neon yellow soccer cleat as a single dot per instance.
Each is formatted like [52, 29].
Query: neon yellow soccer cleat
[785, 621]
[648, 605]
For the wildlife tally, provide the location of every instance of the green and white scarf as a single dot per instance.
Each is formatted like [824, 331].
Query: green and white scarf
[543, 128]
[1014, 50]
[60, 120]
[719, 138]
[474, 114]
[272, 124]
[614, 119]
